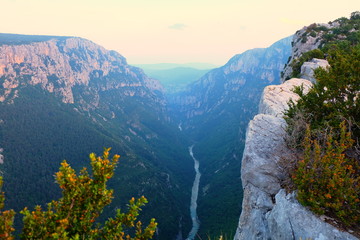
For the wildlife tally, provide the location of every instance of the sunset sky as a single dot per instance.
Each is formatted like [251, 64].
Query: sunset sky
[176, 31]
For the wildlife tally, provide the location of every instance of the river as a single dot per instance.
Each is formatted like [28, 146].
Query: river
[194, 197]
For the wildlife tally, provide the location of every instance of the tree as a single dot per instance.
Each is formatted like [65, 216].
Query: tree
[327, 176]
[335, 96]
[6, 218]
[83, 198]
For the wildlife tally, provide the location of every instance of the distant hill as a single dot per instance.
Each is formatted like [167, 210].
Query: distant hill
[214, 112]
[175, 79]
[164, 66]
[17, 39]
[64, 97]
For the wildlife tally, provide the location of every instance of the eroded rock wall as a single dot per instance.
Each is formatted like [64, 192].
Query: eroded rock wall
[267, 212]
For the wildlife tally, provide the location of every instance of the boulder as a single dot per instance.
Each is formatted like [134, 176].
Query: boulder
[307, 69]
[275, 98]
[290, 220]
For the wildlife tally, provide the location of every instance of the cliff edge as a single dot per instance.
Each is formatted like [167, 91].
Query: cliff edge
[268, 212]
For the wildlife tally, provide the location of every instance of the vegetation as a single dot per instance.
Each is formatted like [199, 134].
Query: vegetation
[18, 39]
[296, 65]
[328, 181]
[334, 97]
[38, 131]
[346, 33]
[327, 175]
[6, 218]
[83, 198]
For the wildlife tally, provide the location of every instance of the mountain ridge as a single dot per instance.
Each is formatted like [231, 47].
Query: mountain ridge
[68, 97]
[214, 112]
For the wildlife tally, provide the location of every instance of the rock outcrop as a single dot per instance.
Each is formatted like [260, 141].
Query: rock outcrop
[316, 36]
[275, 97]
[308, 68]
[268, 212]
[59, 64]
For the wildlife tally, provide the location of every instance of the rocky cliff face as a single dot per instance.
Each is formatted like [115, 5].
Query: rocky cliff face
[214, 113]
[64, 97]
[228, 83]
[268, 212]
[61, 64]
[318, 35]
[304, 40]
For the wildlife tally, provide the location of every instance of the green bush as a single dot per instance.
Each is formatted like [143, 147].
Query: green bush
[327, 181]
[83, 198]
[296, 64]
[335, 96]
[327, 175]
[6, 218]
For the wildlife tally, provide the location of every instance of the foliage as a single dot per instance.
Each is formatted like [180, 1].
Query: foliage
[327, 181]
[83, 198]
[328, 174]
[38, 127]
[335, 96]
[296, 65]
[345, 32]
[6, 218]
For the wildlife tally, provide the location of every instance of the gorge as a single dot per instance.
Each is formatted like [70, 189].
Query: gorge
[65, 97]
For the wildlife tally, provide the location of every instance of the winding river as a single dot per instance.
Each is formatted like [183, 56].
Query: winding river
[194, 197]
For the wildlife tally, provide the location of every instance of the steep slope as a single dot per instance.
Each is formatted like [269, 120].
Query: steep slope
[318, 35]
[269, 212]
[64, 97]
[214, 112]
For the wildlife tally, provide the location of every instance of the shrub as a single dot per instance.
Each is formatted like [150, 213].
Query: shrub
[83, 198]
[327, 181]
[6, 218]
[296, 64]
[327, 175]
[335, 96]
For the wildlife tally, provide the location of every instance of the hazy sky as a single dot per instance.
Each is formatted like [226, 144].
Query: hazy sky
[180, 31]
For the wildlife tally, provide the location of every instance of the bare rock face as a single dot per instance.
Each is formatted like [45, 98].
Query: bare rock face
[284, 221]
[308, 68]
[305, 40]
[60, 64]
[275, 97]
[267, 213]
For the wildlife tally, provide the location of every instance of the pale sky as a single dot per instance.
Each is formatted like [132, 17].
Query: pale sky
[174, 31]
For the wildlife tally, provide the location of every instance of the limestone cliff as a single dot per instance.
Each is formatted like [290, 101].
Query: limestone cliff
[268, 212]
[60, 64]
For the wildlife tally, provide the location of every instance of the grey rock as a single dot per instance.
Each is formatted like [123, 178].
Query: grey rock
[59, 65]
[307, 69]
[264, 137]
[310, 38]
[256, 204]
[267, 213]
[275, 98]
[290, 220]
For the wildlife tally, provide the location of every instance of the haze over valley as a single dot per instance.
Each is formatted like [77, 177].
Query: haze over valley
[177, 115]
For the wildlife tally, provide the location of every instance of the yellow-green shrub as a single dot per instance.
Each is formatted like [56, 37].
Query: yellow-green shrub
[327, 181]
[74, 215]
